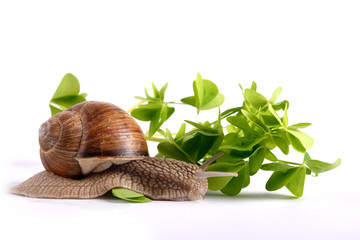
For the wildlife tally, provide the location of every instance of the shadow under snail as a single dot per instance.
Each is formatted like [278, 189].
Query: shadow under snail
[93, 147]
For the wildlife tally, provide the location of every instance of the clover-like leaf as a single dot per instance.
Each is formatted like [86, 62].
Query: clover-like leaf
[234, 186]
[282, 143]
[280, 178]
[158, 95]
[206, 95]
[207, 129]
[317, 166]
[241, 122]
[296, 143]
[66, 95]
[129, 195]
[256, 160]
[300, 140]
[156, 113]
[296, 184]
[191, 146]
[181, 132]
[255, 120]
[299, 125]
[275, 115]
[254, 98]
[276, 166]
[217, 183]
[231, 111]
[281, 105]
[275, 95]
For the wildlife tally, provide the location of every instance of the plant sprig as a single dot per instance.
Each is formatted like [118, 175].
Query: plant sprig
[66, 95]
[248, 134]
[248, 137]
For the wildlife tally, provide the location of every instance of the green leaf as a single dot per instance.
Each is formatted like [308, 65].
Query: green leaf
[281, 105]
[197, 144]
[272, 111]
[270, 156]
[156, 113]
[226, 166]
[172, 150]
[254, 98]
[295, 143]
[69, 86]
[158, 95]
[280, 178]
[231, 111]
[307, 157]
[155, 91]
[317, 166]
[240, 144]
[232, 129]
[66, 95]
[241, 122]
[281, 143]
[275, 95]
[270, 121]
[217, 183]
[234, 186]
[299, 125]
[253, 86]
[255, 120]
[129, 195]
[277, 166]
[256, 160]
[146, 112]
[181, 132]
[162, 91]
[206, 95]
[296, 184]
[204, 127]
[190, 147]
[285, 118]
[305, 139]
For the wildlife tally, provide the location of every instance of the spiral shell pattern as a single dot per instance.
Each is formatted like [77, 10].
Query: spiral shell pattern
[89, 137]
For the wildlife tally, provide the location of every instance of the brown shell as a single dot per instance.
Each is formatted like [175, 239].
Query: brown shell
[89, 137]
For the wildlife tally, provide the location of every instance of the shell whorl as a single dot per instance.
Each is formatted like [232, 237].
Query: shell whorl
[60, 139]
[49, 134]
[89, 137]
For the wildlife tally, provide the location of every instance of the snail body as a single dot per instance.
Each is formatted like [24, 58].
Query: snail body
[93, 147]
[156, 178]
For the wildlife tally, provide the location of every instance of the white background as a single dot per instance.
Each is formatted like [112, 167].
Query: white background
[116, 48]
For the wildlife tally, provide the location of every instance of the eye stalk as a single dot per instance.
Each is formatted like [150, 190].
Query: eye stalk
[205, 165]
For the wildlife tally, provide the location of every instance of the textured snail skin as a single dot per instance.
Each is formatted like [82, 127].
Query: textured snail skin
[156, 178]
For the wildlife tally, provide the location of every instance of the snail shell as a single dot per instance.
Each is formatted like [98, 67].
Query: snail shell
[89, 137]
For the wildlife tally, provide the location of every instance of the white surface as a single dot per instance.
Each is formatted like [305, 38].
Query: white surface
[310, 48]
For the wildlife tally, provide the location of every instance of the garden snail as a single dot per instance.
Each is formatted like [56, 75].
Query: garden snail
[93, 147]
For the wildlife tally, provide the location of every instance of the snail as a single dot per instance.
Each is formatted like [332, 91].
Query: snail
[93, 147]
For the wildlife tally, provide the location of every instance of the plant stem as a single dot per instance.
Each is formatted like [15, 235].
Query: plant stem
[135, 106]
[155, 139]
[293, 163]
